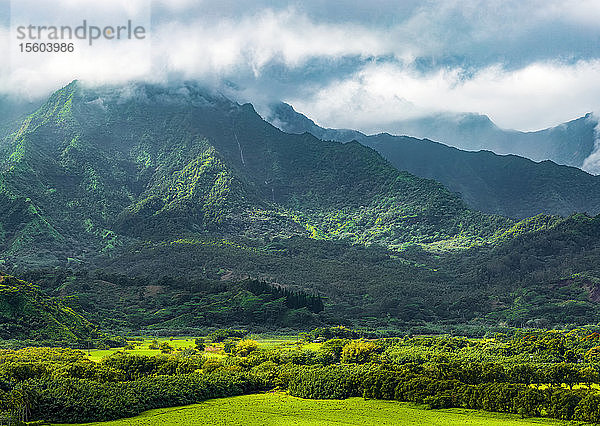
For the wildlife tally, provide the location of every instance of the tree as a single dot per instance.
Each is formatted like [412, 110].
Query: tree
[245, 347]
[593, 354]
[331, 350]
[165, 348]
[589, 376]
[358, 351]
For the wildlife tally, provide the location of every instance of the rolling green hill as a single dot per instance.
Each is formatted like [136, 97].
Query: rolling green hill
[26, 314]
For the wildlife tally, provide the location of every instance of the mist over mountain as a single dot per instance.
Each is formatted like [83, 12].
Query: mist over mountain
[12, 108]
[508, 185]
[570, 143]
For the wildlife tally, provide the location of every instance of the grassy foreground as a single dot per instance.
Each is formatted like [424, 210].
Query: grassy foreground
[280, 409]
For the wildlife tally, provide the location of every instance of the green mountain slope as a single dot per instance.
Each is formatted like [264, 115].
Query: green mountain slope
[92, 168]
[507, 185]
[26, 314]
[153, 205]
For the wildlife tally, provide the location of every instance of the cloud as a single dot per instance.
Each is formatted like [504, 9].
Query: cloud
[255, 41]
[527, 64]
[592, 163]
[533, 97]
[34, 74]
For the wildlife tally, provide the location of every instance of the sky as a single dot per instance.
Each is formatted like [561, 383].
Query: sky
[352, 64]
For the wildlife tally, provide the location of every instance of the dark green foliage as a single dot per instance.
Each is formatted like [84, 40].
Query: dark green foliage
[230, 344]
[331, 350]
[327, 333]
[326, 383]
[132, 367]
[27, 314]
[199, 344]
[293, 300]
[91, 400]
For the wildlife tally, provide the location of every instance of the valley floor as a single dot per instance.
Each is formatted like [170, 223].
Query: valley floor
[281, 409]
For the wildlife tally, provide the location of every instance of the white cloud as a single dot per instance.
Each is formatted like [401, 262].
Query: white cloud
[196, 49]
[534, 97]
[580, 12]
[510, 51]
[34, 74]
[289, 37]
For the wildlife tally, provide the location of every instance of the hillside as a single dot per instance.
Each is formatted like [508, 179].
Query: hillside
[507, 185]
[540, 272]
[153, 206]
[28, 315]
[94, 169]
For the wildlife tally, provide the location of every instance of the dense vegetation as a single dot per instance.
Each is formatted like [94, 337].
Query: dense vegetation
[28, 316]
[530, 373]
[540, 273]
[154, 208]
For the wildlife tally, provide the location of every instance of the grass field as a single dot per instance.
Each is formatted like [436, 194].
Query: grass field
[142, 345]
[280, 409]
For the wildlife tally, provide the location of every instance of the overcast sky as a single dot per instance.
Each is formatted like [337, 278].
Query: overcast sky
[526, 64]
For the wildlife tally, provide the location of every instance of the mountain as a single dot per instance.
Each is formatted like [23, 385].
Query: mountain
[27, 314]
[172, 207]
[568, 144]
[95, 168]
[507, 185]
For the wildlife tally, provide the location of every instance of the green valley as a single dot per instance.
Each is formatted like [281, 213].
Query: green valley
[172, 211]
[281, 409]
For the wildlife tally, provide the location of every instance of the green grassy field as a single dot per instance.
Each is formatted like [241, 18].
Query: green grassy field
[142, 345]
[280, 409]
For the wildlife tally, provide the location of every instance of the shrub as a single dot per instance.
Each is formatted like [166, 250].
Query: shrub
[245, 347]
[358, 352]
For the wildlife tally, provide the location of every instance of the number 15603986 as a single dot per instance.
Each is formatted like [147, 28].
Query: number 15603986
[46, 47]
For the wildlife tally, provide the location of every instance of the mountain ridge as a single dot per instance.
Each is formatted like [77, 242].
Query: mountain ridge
[508, 185]
[164, 160]
[151, 204]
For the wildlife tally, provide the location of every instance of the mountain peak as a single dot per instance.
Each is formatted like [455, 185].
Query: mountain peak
[286, 118]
